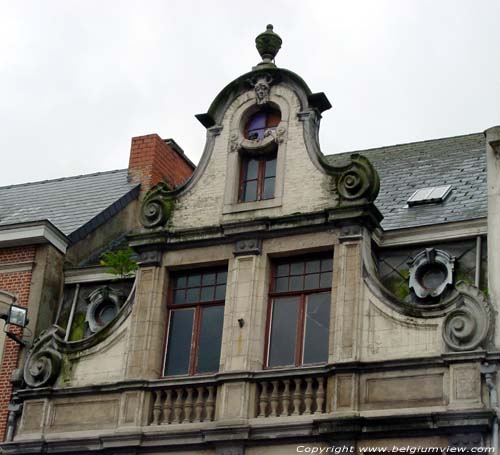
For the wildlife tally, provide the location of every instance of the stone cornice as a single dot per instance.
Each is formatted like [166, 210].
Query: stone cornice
[33, 233]
[443, 360]
[367, 215]
[433, 233]
[329, 428]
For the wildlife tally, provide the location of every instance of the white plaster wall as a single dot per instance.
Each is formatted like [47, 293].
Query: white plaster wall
[203, 204]
[389, 335]
[104, 362]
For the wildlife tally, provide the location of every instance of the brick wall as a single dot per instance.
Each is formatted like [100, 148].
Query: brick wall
[17, 283]
[152, 160]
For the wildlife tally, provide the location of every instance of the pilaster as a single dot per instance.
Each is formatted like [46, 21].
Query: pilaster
[146, 339]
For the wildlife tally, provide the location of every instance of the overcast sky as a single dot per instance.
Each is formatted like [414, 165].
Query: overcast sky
[78, 79]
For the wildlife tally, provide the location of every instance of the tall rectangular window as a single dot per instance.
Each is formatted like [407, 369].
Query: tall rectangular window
[257, 178]
[196, 315]
[299, 312]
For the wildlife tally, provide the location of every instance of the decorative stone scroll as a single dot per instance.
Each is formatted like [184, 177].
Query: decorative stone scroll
[355, 182]
[43, 364]
[468, 325]
[157, 206]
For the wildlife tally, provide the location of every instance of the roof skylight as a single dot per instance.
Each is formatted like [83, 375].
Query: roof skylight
[429, 195]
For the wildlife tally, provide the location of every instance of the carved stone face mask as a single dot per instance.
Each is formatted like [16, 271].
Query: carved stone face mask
[262, 92]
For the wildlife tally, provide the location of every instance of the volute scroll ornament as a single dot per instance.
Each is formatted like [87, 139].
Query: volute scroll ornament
[468, 325]
[44, 361]
[357, 181]
[157, 206]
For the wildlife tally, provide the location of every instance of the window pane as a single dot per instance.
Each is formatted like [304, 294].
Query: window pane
[326, 280]
[180, 282]
[268, 188]
[271, 168]
[316, 329]
[209, 342]
[179, 342]
[257, 121]
[207, 293]
[180, 296]
[282, 270]
[297, 268]
[281, 284]
[250, 191]
[220, 292]
[194, 280]
[297, 283]
[252, 170]
[208, 278]
[273, 118]
[193, 295]
[312, 281]
[222, 277]
[326, 264]
[312, 266]
[283, 338]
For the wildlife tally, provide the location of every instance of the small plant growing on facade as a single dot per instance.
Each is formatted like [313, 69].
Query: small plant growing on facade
[120, 263]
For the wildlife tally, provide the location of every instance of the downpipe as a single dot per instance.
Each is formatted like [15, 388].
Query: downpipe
[489, 372]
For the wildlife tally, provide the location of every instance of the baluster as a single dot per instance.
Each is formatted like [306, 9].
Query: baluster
[274, 399]
[188, 405]
[308, 396]
[178, 406]
[263, 400]
[167, 407]
[320, 395]
[157, 408]
[198, 406]
[210, 403]
[286, 398]
[297, 397]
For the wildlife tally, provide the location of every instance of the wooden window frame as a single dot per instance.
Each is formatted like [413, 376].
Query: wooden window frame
[198, 309]
[261, 176]
[303, 294]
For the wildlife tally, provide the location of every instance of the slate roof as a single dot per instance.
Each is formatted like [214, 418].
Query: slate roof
[75, 205]
[459, 161]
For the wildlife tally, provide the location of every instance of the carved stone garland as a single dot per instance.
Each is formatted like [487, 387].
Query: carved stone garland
[468, 325]
[157, 206]
[43, 364]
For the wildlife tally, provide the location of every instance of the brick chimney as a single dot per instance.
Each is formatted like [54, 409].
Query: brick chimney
[153, 160]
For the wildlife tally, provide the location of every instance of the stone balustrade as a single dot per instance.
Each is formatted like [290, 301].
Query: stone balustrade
[291, 396]
[184, 404]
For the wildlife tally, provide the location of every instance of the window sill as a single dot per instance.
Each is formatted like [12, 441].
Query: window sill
[238, 207]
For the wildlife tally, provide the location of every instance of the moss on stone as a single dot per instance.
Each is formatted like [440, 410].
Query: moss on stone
[78, 327]
[398, 284]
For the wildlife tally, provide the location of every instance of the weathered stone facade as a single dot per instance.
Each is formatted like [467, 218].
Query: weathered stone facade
[409, 323]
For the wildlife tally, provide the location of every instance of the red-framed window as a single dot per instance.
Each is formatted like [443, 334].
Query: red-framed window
[195, 320]
[298, 317]
[257, 178]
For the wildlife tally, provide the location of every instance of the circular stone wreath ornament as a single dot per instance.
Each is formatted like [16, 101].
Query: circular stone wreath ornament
[431, 272]
[103, 307]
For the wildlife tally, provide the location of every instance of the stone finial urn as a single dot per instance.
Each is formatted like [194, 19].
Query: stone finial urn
[268, 44]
